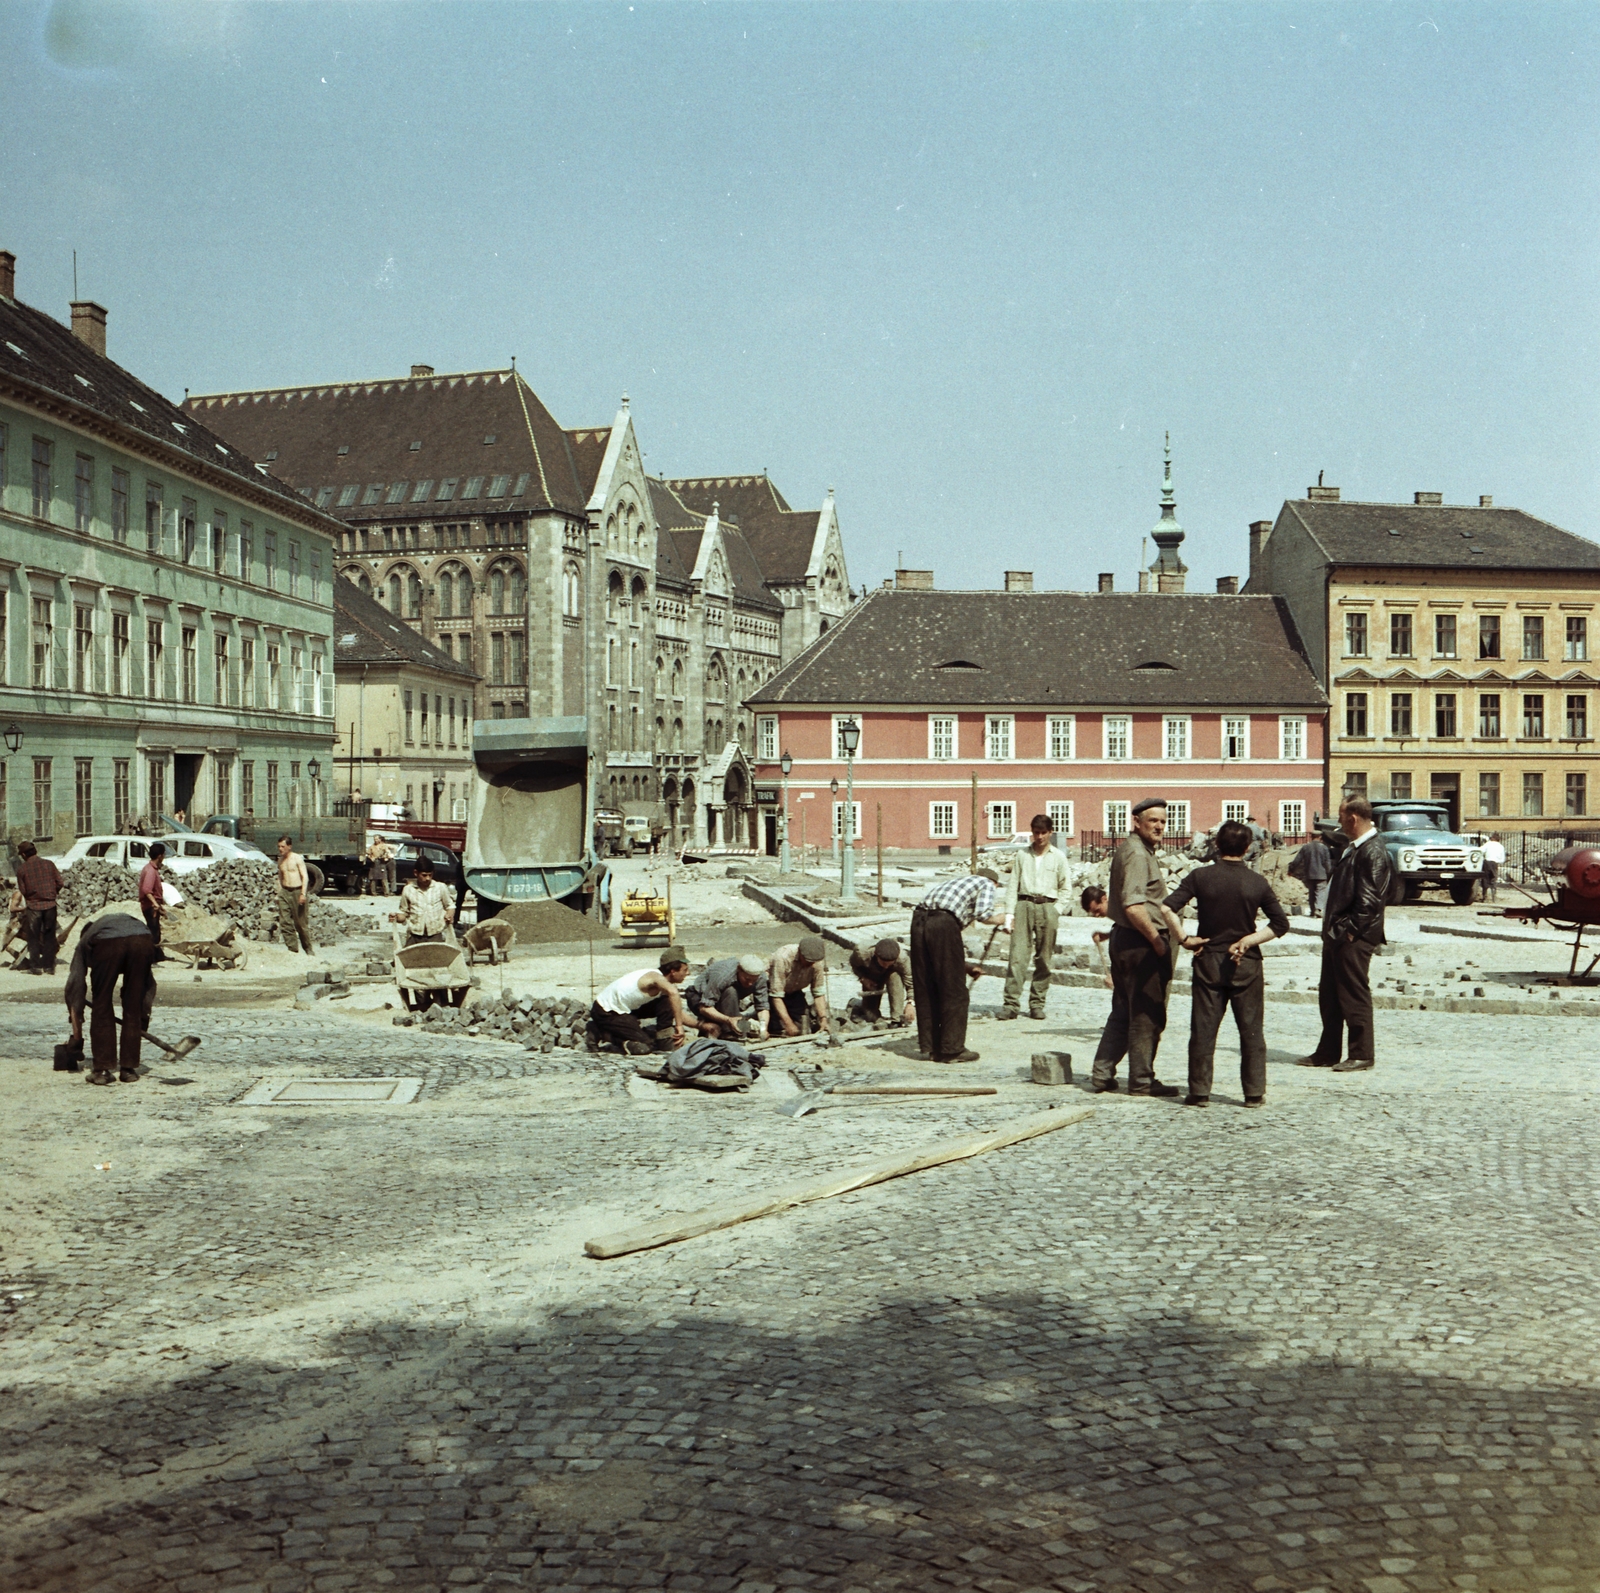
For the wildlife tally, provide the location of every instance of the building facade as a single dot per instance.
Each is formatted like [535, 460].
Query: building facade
[404, 710]
[166, 625]
[1455, 644]
[1072, 704]
[549, 562]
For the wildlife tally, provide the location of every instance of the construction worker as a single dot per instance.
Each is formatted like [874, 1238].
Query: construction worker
[620, 1009]
[1034, 889]
[115, 946]
[884, 970]
[939, 961]
[792, 973]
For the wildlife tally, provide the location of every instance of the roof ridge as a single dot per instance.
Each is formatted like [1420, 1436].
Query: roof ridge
[360, 382]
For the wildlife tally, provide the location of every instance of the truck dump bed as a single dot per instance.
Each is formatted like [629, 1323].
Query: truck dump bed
[527, 816]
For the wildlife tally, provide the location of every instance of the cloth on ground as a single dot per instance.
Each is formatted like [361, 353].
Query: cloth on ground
[711, 1055]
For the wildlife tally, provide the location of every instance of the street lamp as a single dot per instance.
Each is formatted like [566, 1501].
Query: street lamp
[833, 786]
[850, 735]
[13, 737]
[786, 763]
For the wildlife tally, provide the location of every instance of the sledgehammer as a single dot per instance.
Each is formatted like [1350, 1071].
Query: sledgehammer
[181, 1049]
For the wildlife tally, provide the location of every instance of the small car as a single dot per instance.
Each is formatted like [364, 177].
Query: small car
[185, 852]
[446, 866]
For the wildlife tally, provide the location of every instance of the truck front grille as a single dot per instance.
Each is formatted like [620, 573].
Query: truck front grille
[1442, 857]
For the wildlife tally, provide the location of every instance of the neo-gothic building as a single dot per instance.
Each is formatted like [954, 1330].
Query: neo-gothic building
[548, 561]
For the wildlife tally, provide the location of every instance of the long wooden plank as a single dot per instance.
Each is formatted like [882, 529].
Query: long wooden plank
[709, 1220]
[913, 1089]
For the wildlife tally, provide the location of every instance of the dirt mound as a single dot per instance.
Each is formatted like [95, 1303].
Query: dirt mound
[549, 923]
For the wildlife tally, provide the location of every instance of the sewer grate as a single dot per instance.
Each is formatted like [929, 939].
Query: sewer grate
[338, 1092]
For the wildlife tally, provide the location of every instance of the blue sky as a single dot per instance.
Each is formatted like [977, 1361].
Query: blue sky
[964, 264]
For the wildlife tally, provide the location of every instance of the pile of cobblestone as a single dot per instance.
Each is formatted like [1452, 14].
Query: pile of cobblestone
[90, 885]
[537, 1023]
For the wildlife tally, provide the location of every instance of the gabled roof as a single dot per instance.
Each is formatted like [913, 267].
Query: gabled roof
[681, 530]
[40, 356]
[588, 445]
[1067, 649]
[399, 434]
[781, 538]
[1436, 536]
[365, 632]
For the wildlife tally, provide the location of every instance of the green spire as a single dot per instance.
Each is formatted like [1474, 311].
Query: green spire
[1167, 533]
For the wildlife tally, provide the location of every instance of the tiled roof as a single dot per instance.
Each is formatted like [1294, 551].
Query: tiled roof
[780, 537]
[400, 434]
[678, 547]
[588, 445]
[40, 355]
[1072, 649]
[1440, 536]
[365, 632]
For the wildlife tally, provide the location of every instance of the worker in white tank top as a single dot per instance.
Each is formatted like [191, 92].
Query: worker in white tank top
[620, 1010]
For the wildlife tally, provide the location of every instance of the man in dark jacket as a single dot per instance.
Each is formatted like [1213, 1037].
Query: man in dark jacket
[115, 946]
[39, 880]
[1312, 865]
[1352, 929]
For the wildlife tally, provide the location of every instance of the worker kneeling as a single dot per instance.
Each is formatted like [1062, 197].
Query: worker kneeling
[115, 946]
[722, 990]
[621, 1010]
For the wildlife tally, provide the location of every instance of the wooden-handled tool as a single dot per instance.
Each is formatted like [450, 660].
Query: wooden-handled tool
[181, 1049]
[812, 1099]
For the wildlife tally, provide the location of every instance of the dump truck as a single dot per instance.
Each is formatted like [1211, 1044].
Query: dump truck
[528, 827]
[1422, 846]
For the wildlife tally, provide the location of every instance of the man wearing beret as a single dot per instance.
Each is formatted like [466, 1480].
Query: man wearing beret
[1144, 946]
[883, 970]
[793, 971]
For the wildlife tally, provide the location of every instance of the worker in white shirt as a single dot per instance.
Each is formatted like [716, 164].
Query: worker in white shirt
[425, 906]
[1038, 878]
[1494, 859]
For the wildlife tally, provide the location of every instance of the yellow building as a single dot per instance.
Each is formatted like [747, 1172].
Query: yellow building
[1455, 647]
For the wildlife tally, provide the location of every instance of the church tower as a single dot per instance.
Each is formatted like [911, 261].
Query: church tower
[1168, 572]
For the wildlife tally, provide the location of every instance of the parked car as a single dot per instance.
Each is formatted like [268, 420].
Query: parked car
[446, 865]
[185, 853]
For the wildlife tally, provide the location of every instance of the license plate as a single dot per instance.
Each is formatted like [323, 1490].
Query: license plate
[1447, 876]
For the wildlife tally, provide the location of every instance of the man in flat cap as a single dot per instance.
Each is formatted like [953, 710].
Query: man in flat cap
[793, 971]
[717, 993]
[1144, 947]
[883, 970]
[939, 961]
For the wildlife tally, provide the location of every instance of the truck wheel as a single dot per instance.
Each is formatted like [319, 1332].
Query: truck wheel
[1413, 890]
[1461, 891]
[352, 884]
[314, 879]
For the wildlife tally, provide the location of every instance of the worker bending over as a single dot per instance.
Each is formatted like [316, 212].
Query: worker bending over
[793, 971]
[115, 946]
[722, 989]
[884, 970]
[621, 1009]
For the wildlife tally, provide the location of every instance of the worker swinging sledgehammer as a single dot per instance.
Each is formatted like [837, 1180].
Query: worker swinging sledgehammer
[115, 946]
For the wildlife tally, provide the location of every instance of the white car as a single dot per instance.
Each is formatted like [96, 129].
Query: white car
[185, 853]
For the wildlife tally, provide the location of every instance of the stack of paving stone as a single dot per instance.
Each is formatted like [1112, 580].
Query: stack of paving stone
[247, 893]
[89, 885]
[538, 1023]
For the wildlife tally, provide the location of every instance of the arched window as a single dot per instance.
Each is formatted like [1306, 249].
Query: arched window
[611, 730]
[463, 594]
[677, 679]
[571, 589]
[497, 589]
[447, 591]
[677, 735]
[615, 597]
[633, 729]
[394, 593]
[711, 730]
[638, 601]
[660, 733]
[365, 583]
[413, 595]
[660, 676]
[633, 663]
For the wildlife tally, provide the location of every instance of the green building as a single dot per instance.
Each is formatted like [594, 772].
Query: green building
[166, 632]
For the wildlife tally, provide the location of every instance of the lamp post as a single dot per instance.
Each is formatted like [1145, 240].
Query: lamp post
[314, 769]
[850, 735]
[833, 786]
[786, 763]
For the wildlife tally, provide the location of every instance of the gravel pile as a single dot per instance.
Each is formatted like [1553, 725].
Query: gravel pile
[549, 923]
[538, 1023]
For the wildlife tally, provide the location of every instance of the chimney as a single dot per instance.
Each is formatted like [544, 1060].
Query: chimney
[8, 274]
[1428, 500]
[1108, 581]
[1485, 501]
[1260, 530]
[427, 370]
[1322, 494]
[89, 324]
[914, 580]
[1019, 580]
[1228, 585]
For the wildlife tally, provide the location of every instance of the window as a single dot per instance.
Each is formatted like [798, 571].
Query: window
[43, 644]
[274, 682]
[767, 738]
[1060, 814]
[838, 822]
[83, 493]
[1489, 716]
[1533, 636]
[1178, 818]
[410, 728]
[997, 736]
[1117, 737]
[1444, 636]
[221, 675]
[1488, 636]
[1399, 639]
[318, 705]
[269, 560]
[1400, 713]
[1116, 819]
[519, 658]
[1291, 818]
[447, 490]
[1577, 638]
[426, 741]
[464, 649]
[497, 487]
[152, 517]
[44, 454]
[1577, 795]
[297, 681]
[190, 649]
[83, 794]
[155, 660]
[44, 801]
[219, 542]
[119, 654]
[473, 487]
[1444, 713]
[1533, 716]
[119, 505]
[1355, 635]
[82, 647]
[324, 497]
[5, 437]
[272, 789]
[247, 673]
[1235, 739]
[452, 721]
[1235, 812]
[1175, 738]
[347, 495]
[1355, 713]
[941, 737]
[188, 529]
[1532, 795]
[419, 493]
[839, 722]
[1355, 783]
[294, 569]
[121, 794]
[570, 588]
[224, 786]
[373, 493]
[466, 721]
[1002, 820]
[1400, 786]
[1489, 796]
[1577, 718]
[247, 786]
[1058, 735]
[314, 584]
[156, 783]
[497, 659]
[942, 820]
[1291, 737]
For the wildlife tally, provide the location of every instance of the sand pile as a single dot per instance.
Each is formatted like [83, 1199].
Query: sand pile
[549, 923]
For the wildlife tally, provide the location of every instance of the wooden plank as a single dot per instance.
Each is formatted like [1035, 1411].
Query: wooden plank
[691, 1224]
[913, 1089]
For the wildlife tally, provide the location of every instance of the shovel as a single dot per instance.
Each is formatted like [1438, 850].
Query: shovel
[181, 1049]
[810, 1100]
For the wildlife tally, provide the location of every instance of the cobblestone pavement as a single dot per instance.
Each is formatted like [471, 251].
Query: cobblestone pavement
[1348, 1342]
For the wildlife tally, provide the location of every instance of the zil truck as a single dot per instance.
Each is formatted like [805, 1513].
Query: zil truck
[1422, 847]
[528, 823]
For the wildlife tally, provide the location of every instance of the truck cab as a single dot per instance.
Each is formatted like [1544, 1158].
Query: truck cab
[1426, 851]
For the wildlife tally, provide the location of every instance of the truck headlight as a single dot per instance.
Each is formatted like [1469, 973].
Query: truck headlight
[1477, 859]
[1408, 860]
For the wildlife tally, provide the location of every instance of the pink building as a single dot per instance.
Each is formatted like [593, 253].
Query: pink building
[1068, 703]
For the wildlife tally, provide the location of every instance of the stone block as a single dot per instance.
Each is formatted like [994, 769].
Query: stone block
[1052, 1067]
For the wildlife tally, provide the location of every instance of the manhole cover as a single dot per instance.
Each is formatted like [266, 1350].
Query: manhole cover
[338, 1092]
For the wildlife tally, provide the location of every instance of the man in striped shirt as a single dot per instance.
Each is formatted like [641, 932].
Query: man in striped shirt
[939, 966]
